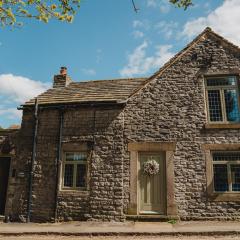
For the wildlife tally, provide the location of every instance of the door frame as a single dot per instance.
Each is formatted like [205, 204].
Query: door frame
[9, 175]
[168, 147]
[162, 184]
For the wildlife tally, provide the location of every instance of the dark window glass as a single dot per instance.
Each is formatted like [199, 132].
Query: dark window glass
[224, 81]
[220, 177]
[69, 156]
[76, 156]
[80, 156]
[81, 175]
[214, 104]
[235, 173]
[231, 102]
[68, 175]
[226, 156]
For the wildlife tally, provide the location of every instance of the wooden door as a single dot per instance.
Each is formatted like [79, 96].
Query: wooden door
[152, 187]
[4, 174]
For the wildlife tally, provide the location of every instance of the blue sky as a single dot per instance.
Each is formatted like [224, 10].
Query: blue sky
[106, 40]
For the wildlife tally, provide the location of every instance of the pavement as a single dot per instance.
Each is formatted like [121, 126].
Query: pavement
[122, 229]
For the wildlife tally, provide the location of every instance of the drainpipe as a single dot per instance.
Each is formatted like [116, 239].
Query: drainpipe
[58, 163]
[94, 127]
[123, 151]
[29, 203]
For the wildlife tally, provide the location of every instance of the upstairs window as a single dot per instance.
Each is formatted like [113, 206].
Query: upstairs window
[75, 170]
[226, 171]
[223, 99]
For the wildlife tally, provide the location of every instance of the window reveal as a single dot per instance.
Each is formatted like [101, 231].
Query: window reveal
[226, 171]
[223, 99]
[75, 170]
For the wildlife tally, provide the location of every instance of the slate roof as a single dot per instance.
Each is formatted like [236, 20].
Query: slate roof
[117, 90]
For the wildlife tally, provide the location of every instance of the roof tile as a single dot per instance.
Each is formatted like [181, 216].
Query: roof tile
[117, 90]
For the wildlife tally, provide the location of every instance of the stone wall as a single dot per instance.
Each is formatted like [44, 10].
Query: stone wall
[101, 129]
[8, 140]
[171, 108]
[20, 163]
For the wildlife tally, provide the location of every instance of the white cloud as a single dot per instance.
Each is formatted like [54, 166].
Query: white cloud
[10, 113]
[88, 71]
[152, 3]
[166, 28]
[15, 90]
[19, 89]
[99, 55]
[139, 63]
[137, 23]
[224, 20]
[144, 24]
[163, 5]
[138, 34]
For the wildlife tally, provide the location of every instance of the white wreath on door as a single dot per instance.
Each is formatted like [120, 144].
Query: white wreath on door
[151, 167]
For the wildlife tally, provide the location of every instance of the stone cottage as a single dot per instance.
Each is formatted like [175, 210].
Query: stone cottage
[162, 147]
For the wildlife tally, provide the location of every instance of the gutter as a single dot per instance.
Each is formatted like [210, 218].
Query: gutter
[75, 105]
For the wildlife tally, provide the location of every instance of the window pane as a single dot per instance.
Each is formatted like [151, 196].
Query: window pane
[231, 102]
[224, 81]
[214, 104]
[220, 177]
[81, 175]
[69, 156]
[82, 156]
[68, 175]
[226, 156]
[235, 171]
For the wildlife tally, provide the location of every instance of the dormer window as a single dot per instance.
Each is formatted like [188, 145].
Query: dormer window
[222, 99]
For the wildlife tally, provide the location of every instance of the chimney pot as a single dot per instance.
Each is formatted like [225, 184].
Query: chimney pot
[63, 71]
[62, 79]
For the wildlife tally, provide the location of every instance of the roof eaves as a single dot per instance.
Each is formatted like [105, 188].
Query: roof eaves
[67, 104]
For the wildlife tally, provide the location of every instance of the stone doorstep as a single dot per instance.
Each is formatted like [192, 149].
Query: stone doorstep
[131, 229]
[151, 218]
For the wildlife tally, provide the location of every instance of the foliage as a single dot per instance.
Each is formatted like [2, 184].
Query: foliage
[182, 3]
[172, 221]
[11, 11]
[1, 128]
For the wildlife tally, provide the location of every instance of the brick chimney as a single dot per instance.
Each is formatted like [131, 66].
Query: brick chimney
[62, 79]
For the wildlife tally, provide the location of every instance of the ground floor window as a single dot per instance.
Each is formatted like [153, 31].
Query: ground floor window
[226, 171]
[75, 170]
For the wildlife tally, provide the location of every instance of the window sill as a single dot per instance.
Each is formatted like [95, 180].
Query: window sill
[75, 192]
[222, 126]
[225, 197]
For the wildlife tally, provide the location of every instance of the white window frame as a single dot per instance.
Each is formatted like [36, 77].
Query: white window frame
[228, 163]
[222, 97]
[75, 164]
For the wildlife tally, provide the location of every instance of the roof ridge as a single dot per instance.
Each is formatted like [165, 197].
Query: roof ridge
[115, 79]
[223, 38]
[178, 55]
